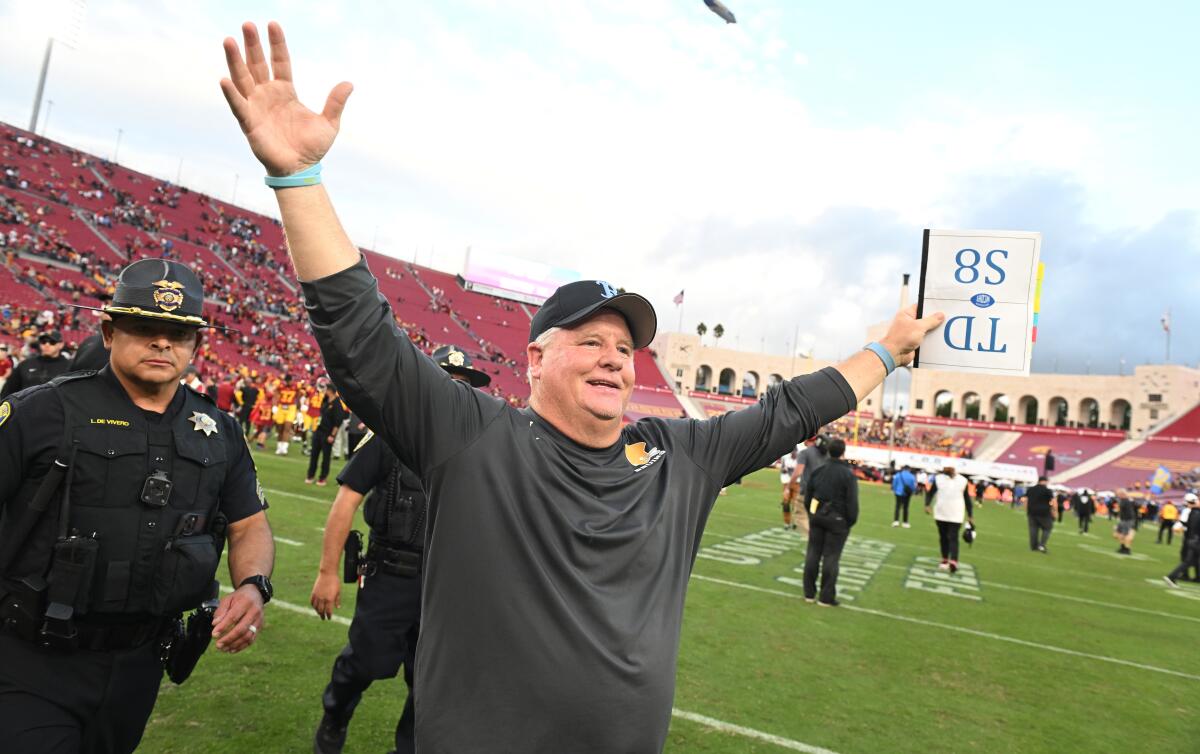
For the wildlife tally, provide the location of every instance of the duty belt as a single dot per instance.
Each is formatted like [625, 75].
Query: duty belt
[107, 638]
[397, 561]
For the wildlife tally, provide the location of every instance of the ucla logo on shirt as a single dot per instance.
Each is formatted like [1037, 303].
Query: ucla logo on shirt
[640, 458]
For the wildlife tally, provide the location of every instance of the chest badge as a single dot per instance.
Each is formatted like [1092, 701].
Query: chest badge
[639, 457]
[202, 422]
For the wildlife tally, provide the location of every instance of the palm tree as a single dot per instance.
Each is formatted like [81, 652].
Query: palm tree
[718, 331]
[701, 329]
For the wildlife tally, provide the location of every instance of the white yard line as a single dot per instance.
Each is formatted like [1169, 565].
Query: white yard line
[310, 498]
[724, 727]
[291, 542]
[963, 630]
[301, 609]
[1085, 600]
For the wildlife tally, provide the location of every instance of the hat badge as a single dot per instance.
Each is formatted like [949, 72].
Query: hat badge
[455, 358]
[168, 295]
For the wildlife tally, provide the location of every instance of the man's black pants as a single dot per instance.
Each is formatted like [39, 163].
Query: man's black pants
[1190, 559]
[1085, 521]
[948, 539]
[323, 448]
[383, 636]
[824, 552]
[78, 702]
[1039, 531]
[1168, 527]
[901, 505]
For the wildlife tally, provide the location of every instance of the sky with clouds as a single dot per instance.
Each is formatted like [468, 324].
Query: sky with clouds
[780, 170]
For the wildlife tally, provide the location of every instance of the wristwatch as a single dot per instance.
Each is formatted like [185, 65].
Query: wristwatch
[262, 584]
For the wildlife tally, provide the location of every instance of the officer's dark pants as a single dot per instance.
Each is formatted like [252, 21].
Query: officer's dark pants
[824, 553]
[1168, 527]
[948, 539]
[1039, 531]
[1191, 559]
[901, 506]
[78, 702]
[323, 448]
[383, 636]
[1085, 521]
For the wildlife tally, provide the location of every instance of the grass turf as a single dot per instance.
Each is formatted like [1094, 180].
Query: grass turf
[896, 669]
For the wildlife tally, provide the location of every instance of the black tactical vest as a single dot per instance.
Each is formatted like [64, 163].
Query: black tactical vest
[156, 552]
[396, 508]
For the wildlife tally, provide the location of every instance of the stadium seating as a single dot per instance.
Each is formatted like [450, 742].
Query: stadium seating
[1185, 426]
[1134, 468]
[87, 217]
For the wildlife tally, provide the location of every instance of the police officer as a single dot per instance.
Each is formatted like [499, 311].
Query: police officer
[37, 370]
[118, 488]
[387, 614]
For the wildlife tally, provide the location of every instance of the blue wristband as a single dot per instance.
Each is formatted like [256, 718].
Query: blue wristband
[310, 176]
[877, 348]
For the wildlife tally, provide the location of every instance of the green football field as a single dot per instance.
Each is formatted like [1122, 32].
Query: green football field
[1077, 650]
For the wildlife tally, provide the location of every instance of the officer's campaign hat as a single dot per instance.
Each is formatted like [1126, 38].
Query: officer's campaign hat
[574, 302]
[455, 361]
[158, 289]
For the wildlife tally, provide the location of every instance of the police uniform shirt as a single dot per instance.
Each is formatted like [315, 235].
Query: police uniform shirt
[31, 431]
[555, 574]
[369, 468]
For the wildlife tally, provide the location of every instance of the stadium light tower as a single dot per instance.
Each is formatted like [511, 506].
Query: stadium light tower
[66, 18]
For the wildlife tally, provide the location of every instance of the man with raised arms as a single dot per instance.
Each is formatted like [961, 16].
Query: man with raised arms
[559, 544]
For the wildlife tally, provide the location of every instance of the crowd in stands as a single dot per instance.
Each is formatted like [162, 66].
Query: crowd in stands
[919, 439]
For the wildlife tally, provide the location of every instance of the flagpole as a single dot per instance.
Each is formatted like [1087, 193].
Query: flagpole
[680, 328]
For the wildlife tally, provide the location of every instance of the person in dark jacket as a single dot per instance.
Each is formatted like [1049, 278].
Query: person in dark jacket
[324, 435]
[38, 370]
[832, 500]
[91, 354]
[1039, 509]
[1190, 556]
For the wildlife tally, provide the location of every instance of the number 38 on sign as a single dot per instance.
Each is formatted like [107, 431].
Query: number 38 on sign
[986, 283]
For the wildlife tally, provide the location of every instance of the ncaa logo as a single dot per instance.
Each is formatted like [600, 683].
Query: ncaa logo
[606, 289]
[982, 300]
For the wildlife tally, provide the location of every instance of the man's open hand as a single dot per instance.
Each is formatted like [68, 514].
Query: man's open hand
[284, 135]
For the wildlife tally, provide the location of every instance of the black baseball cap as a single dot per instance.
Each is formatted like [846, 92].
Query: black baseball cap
[50, 336]
[455, 361]
[158, 289]
[574, 302]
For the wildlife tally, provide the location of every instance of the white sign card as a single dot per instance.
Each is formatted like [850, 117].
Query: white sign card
[985, 281]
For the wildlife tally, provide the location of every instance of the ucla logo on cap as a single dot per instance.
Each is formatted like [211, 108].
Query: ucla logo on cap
[982, 300]
[606, 289]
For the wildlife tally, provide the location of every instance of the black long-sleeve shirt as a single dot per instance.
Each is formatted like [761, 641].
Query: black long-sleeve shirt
[555, 574]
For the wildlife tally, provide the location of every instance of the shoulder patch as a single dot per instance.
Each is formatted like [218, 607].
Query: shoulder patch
[366, 439]
[5, 412]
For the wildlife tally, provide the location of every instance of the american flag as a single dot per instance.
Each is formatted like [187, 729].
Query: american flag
[679, 299]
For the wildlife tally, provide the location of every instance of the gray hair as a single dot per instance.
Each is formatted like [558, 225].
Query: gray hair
[542, 341]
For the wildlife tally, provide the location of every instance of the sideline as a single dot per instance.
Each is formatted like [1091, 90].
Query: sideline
[963, 630]
[724, 727]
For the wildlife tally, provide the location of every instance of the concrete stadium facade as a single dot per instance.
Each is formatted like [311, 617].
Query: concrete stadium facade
[1136, 403]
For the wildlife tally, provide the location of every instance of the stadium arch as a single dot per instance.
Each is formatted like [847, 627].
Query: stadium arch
[773, 379]
[1119, 414]
[1027, 409]
[1089, 413]
[750, 383]
[703, 377]
[999, 408]
[943, 403]
[727, 381]
[1058, 411]
[970, 405]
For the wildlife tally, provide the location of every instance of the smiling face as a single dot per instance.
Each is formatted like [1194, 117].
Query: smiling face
[149, 353]
[581, 379]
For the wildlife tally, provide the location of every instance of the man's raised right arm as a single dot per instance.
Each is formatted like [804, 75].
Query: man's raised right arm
[287, 138]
